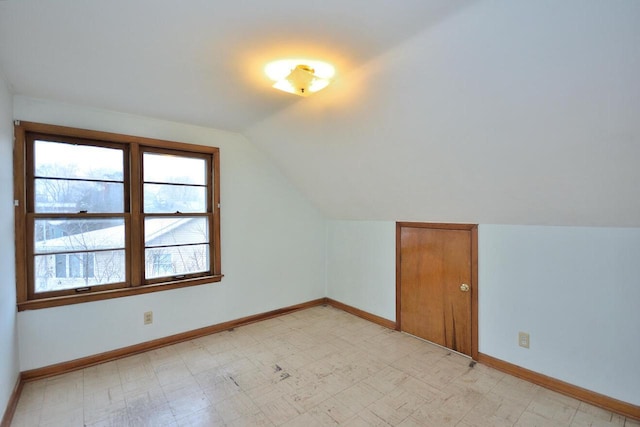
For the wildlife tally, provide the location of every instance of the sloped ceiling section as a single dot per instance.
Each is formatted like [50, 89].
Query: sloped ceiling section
[193, 61]
[513, 112]
[488, 111]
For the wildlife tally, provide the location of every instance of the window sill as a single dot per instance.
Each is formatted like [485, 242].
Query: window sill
[36, 304]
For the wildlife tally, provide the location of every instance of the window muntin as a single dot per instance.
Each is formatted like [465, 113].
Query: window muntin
[89, 206]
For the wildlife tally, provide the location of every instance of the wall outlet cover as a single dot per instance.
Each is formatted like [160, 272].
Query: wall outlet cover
[523, 339]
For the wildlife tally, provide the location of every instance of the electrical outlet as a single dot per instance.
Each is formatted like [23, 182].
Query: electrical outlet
[148, 317]
[523, 339]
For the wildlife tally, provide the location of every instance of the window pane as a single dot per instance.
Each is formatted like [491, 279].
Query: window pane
[167, 198]
[175, 231]
[61, 265]
[166, 168]
[75, 265]
[60, 160]
[85, 269]
[65, 196]
[71, 235]
[73, 178]
[176, 260]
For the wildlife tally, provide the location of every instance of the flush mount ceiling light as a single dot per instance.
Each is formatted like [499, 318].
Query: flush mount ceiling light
[299, 76]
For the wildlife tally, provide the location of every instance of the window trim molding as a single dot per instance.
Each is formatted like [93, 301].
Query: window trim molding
[20, 177]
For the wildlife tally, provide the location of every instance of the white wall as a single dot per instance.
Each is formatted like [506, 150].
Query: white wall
[361, 260]
[507, 112]
[8, 334]
[272, 249]
[575, 290]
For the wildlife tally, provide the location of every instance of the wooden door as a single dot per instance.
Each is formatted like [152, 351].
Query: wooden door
[436, 284]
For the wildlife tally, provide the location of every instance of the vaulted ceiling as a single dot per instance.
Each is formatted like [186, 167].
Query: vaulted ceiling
[490, 111]
[195, 61]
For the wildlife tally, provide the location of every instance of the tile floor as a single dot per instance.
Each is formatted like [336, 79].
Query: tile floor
[316, 367]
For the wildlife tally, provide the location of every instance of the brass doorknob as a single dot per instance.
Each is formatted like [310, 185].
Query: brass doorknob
[464, 287]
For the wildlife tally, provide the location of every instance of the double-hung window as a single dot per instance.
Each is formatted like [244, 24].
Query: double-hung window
[101, 215]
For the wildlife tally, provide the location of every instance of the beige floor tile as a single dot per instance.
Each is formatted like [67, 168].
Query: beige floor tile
[333, 410]
[221, 390]
[306, 397]
[396, 406]
[267, 393]
[478, 379]
[26, 417]
[334, 383]
[430, 415]
[411, 422]
[422, 389]
[100, 405]
[359, 396]
[279, 411]
[198, 360]
[69, 418]
[316, 367]
[588, 415]
[582, 419]
[32, 396]
[255, 420]
[499, 407]
[553, 406]
[303, 420]
[172, 373]
[457, 400]
[158, 416]
[146, 399]
[442, 373]
[188, 403]
[387, 379]
[529, 419]
[471, 420]
[62, 395]
[181, 387]
[137, 387]
[217, 343]
[206, 417]
[367, 417]
[163, 355]
[117, 418]
[235, 407]
[252, 378]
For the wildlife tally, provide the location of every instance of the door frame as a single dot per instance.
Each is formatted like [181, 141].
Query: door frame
[473, 229]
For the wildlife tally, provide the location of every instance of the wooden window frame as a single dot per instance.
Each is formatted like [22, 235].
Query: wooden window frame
[133, 215]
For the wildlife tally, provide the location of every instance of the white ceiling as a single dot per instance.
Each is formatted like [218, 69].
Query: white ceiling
[195, 61]
[487, 111]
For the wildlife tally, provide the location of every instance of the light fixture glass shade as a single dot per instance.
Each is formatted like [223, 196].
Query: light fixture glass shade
[300, 77]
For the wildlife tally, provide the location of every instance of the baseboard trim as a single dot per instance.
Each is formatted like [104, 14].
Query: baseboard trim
[85, 362]
[12, 403]
[363, 314]
[588, 396]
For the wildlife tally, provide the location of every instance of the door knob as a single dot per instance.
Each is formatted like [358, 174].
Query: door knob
[464, 287]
